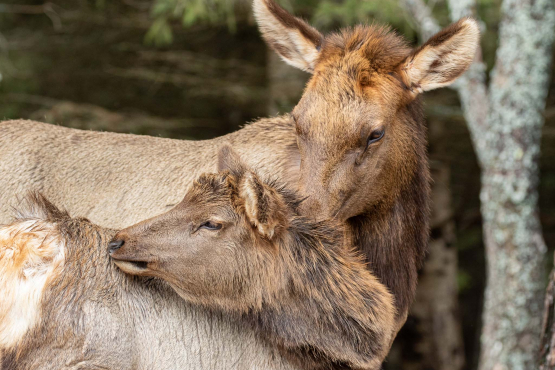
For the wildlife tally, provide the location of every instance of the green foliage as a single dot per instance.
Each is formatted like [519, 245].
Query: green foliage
[100, 4]
[189, 13]
[325, 15]
[332, 14]
[464, 280]
[160, 33]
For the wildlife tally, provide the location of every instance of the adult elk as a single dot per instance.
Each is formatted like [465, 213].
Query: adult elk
[65, 305]
[238, 245]
[355, 144]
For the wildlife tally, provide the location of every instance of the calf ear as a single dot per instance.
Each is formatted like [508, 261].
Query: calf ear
[229, 160]
[443, 58]
[264, 206]
[296, 42]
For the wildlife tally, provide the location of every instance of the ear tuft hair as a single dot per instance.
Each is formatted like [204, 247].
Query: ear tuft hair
[264, 206]
[35, 206]
[229, 160]
[296, 42]
[443, 58]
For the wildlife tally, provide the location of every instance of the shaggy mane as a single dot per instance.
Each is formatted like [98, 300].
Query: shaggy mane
[34, 205]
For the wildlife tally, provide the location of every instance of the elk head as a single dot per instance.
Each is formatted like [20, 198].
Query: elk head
[359, 122]
[209, 246]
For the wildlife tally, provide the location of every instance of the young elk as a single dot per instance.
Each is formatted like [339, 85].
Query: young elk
[65, 305]
[238, 245]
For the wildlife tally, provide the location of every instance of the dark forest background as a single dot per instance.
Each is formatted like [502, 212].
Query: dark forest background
[199, 69]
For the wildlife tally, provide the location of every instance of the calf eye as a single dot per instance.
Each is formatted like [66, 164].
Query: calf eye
[209, 225]
[375, 136]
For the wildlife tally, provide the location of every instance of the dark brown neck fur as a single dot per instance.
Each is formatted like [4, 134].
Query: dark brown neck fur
[394, 237]
[333, 313]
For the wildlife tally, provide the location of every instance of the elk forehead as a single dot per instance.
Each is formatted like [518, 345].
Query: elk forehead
[31, 255]
[211, 196]
[354, 88]
[382, 48]
[212, 190]
[211, 187]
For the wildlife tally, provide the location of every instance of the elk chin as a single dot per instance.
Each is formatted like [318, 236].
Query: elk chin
[188, 296]
[351, 207]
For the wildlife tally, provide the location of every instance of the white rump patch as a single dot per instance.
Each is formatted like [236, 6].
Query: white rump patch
[31, 254]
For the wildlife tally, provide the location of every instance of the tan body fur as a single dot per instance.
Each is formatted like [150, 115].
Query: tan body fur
[86, 314]
[116, 180]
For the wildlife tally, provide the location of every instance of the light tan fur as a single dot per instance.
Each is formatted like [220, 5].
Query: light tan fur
[260, 198]
[116, 180]
[31, 255]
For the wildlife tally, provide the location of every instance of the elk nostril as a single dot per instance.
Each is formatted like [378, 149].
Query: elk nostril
[115, 245]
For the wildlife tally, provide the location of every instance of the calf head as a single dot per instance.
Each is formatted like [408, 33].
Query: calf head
[211, 246]
[359, 125]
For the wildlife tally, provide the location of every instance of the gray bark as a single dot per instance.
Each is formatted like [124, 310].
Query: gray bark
[514, 244]
[424, 21]
[505, 124]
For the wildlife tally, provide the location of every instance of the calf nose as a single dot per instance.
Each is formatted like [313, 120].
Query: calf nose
[115, 245]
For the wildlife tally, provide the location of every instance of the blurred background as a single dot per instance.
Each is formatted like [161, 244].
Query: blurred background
[196, 69]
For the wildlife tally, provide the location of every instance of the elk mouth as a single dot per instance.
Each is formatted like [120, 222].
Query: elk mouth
[137, 264]
[129, 266]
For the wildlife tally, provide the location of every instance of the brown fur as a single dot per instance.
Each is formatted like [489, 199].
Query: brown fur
[299, 286]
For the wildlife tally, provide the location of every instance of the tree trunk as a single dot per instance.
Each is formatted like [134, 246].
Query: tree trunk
[436, 310]
[547, 344]
[509, 157]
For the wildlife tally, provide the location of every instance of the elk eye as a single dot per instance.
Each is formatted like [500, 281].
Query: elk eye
[375, 136]
[209, 225]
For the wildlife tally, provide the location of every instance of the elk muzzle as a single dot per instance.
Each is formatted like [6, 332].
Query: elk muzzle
[115, 244]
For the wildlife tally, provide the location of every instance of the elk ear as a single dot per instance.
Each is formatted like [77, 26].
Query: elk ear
[443, 58]
[264, 206]
[229, 160]
[296, 42]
